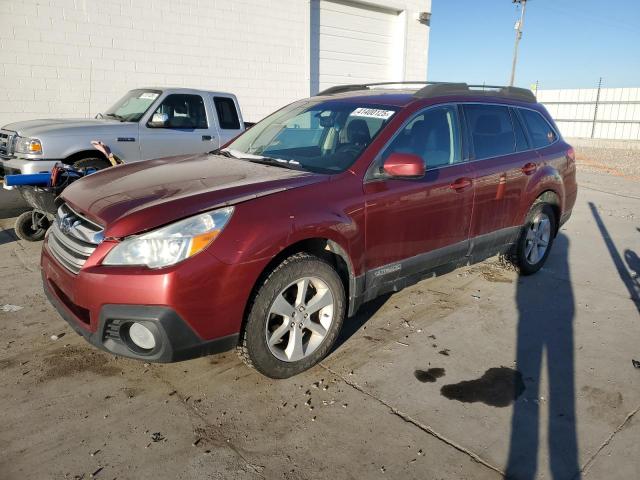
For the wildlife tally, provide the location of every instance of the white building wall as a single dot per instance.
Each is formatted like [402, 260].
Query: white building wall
[73, 58]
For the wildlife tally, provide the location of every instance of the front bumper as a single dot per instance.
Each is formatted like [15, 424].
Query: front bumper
[175, 340]
[19, 166]
[194, 309]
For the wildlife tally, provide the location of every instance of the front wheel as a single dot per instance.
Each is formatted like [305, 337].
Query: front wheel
[536, 239]
[295, 317]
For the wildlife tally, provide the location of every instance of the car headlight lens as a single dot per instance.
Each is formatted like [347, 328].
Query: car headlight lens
[171, 244]
[28, 145]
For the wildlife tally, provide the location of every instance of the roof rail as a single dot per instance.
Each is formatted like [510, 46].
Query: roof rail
[445, 89]
[442, 89]
[366, 86]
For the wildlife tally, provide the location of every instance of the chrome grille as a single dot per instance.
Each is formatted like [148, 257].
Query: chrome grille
[7, 138]
[72, 238]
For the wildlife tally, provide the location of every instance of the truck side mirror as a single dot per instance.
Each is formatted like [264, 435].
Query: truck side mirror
[159, 120]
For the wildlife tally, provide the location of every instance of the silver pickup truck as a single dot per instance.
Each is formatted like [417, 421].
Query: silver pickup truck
[146, 123]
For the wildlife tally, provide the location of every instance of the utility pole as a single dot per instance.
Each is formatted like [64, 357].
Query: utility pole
[518, 28]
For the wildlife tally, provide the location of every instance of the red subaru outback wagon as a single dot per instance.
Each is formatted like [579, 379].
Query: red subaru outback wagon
[268, 244]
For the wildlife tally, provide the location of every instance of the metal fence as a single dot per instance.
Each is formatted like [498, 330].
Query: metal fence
[608, 113]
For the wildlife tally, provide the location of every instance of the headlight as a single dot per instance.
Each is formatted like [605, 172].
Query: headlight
[171, 244]
[28, 145]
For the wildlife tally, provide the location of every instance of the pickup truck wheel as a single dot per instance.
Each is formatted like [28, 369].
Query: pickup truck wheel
[536, 239]
[31, 226]
[91, 162]
[295, 317]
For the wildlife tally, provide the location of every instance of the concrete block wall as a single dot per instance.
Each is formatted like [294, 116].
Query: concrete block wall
[73, 58]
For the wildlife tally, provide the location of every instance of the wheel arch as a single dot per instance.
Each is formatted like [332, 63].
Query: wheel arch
[324, 248]
[551, 198]
[74, 157]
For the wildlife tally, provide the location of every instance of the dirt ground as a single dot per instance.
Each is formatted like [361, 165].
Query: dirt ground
[474, 374]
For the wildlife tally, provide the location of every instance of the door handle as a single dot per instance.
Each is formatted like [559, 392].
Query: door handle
[206, 138]
[529, 168]
[461, 184]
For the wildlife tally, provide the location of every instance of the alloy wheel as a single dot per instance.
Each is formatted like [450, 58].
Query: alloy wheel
[299, 319]
[537, 239]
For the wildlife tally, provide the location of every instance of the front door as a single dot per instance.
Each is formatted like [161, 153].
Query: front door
[417, 225]
[178, 126]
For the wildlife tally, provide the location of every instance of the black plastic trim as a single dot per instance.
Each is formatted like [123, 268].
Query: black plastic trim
[176, 340]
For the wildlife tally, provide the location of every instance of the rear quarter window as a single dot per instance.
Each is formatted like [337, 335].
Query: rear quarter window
[540, 131]
[227, 114]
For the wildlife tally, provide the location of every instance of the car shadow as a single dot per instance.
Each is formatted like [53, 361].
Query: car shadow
[11, 204]
[546, 311]
[8, 236]
[353, 324]
[631, 258]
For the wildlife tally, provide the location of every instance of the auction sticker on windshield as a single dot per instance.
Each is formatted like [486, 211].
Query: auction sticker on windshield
[149, 96]
[372, 113]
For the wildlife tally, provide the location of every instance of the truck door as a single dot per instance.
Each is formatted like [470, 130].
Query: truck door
[229, 121]
[178, 126]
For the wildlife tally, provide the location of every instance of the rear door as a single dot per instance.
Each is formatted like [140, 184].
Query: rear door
[499, 150]
[178, 126]
[415, 225]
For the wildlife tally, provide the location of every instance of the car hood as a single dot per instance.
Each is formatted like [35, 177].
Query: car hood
[140, 196]
[63, 126]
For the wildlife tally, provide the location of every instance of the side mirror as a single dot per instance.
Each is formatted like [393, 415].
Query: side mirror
[159, 120]
[404, 165]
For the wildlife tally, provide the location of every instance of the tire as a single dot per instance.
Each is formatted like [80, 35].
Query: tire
[91, 162]
[534, 232]
[282, 359]
[26, 230]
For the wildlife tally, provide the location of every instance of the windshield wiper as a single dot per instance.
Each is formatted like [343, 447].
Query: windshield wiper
[114, 115]
[223, 152]
[276, 162]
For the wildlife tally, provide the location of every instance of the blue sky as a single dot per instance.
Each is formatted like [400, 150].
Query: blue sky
[566, 43]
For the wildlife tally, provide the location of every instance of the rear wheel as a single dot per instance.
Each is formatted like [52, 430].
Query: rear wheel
[93, 163]
[536, 239]
[31, 226]
[295, 317]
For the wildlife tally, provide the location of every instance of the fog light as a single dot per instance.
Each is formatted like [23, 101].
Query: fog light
[141, 336]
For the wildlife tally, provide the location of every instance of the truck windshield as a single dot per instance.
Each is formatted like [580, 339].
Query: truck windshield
[133, 105]
[319, 136]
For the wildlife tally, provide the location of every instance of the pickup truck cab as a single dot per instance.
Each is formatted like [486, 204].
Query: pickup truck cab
[144, 124]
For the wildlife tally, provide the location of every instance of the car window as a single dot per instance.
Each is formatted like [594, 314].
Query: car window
[491, 130]
[315, 135]
[522, 143]
[227, 113]
[181, 111]
[300, 131]
[432, 135]
[133, 105]
[540, 131]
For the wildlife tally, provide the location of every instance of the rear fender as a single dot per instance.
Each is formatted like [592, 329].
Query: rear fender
[548, 181]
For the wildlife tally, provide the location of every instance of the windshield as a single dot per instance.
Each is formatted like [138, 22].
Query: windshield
[133, 105]
[324, 137]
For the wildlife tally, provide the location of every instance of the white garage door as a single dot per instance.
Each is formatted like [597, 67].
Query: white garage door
[359, 44]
